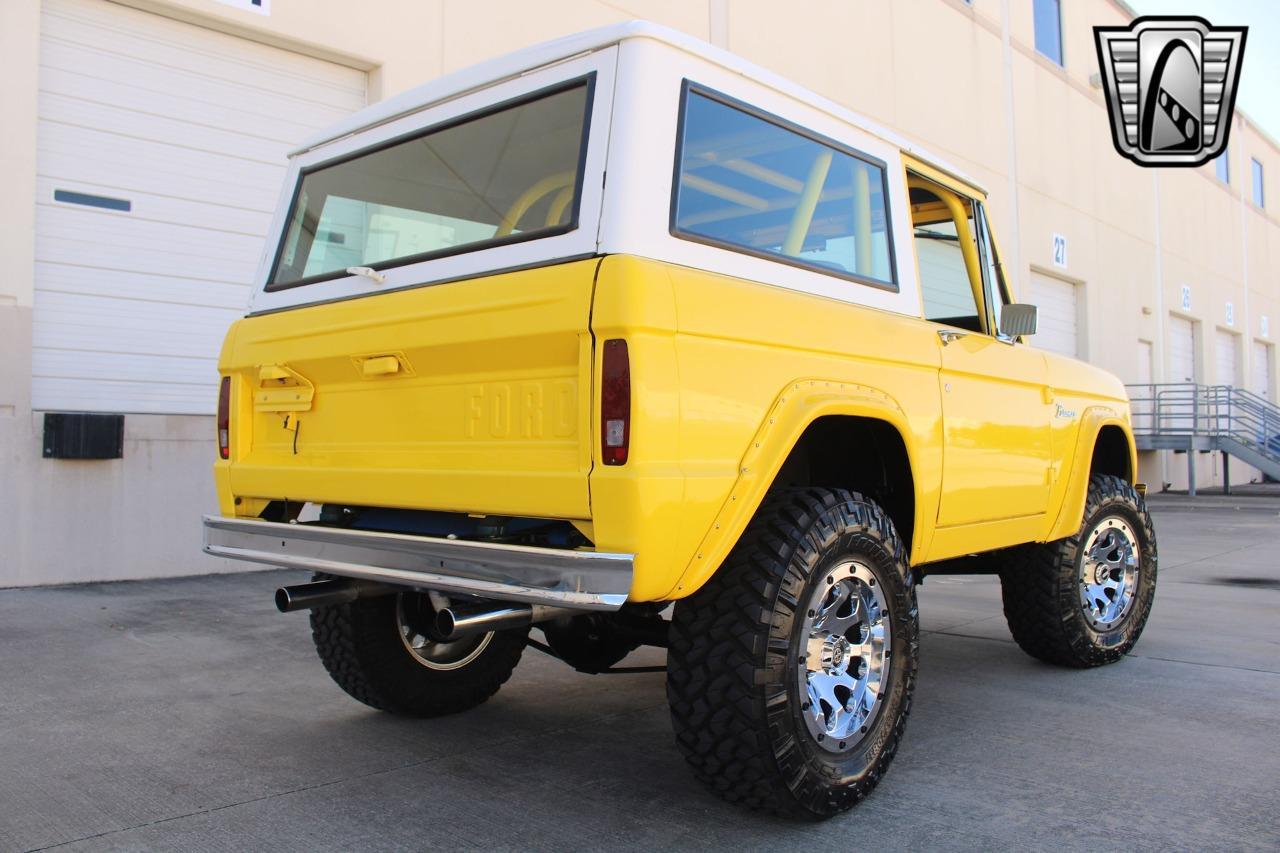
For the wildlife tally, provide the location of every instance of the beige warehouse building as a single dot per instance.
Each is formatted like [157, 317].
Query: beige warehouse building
[145, 143]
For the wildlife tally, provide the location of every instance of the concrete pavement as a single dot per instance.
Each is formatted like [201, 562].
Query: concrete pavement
[187, 714]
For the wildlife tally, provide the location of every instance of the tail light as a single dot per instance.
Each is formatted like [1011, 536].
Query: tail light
[615, 403]
[224, 418]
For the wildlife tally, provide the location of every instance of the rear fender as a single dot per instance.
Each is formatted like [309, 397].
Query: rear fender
[796, 407]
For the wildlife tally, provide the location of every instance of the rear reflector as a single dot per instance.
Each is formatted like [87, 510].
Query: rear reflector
[615, 403]
[224, 418]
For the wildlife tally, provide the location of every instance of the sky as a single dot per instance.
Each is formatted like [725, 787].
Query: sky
[1259, 94]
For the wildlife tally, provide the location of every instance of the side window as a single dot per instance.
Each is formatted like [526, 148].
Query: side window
[750, 183]
[941, 237]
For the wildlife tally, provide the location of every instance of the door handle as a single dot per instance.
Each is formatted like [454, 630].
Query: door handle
[951, 335]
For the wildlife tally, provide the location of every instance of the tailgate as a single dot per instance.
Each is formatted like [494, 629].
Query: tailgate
[470, 396]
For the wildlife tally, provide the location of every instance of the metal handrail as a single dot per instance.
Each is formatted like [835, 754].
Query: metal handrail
[1190, 410]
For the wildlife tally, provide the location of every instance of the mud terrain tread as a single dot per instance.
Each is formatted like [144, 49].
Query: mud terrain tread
[361, 650]
[1040, 595]
[718, 666]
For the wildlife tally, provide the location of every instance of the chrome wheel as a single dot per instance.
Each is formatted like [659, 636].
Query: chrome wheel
[416, 620]
[1109, 573]
[845, 667]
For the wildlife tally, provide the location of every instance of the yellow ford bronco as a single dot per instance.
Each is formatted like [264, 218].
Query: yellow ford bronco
[621, 322]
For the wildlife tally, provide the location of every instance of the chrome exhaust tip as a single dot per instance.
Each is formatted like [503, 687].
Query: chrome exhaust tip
[453, 623]
[308, 596]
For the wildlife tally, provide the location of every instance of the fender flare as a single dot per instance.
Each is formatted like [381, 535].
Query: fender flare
[1092, 422]
[794, 409]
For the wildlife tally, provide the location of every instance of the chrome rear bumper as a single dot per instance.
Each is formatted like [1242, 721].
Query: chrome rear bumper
[588, 580]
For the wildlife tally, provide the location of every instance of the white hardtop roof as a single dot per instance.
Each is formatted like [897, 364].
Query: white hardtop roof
[528, 59]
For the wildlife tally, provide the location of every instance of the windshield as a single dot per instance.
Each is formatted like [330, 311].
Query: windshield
[509, 174]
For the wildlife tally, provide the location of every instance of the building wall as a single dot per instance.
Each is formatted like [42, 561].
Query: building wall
[936, 70]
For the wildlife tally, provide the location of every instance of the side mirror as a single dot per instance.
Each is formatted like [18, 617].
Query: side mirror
[1017, 320]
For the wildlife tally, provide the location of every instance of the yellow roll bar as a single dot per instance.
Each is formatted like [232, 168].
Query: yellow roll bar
[531, 197]
[967, 246]
[558, 204]
[803, 214]
[862, 219]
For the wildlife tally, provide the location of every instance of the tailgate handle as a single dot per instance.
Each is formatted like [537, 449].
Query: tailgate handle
[282, 389]
[384, 365]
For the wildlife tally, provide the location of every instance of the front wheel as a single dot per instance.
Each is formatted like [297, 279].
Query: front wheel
[1084, 600]
[790, 672]
[384, 651]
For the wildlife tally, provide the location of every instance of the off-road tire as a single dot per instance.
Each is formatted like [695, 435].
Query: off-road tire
[361, 647]
[1040, 585]
[732, 669]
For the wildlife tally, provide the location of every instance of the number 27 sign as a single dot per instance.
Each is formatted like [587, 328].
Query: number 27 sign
[1059, 251]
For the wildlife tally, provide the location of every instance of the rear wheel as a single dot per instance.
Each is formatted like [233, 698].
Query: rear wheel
[385, 652]
[791, 671]
[1084, 600]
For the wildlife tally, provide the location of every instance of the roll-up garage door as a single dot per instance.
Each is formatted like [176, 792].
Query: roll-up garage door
[1058, 325]
[1227, 357]
[161, 152]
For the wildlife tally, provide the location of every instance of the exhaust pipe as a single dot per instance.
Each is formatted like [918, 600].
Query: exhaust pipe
[309, 596]
[453, 623]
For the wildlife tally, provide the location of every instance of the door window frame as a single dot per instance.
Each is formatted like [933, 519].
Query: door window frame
[928, 184]
[992, 288]
[994, 283]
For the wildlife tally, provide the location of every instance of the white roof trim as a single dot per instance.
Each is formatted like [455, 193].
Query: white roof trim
[522, 61]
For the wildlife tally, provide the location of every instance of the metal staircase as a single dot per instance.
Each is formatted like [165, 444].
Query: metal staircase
[1187, 416]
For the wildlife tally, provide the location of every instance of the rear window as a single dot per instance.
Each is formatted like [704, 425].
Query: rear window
[508, 174]
[749, 181]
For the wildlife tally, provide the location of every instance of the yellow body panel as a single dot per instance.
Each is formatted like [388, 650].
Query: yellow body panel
[722, 390]
[471, 396]
[1095, 399]
[997, 433]
[487, 410]
[710, 386]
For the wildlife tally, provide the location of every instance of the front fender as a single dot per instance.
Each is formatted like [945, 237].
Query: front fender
[794, 409]
[1076, 493]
